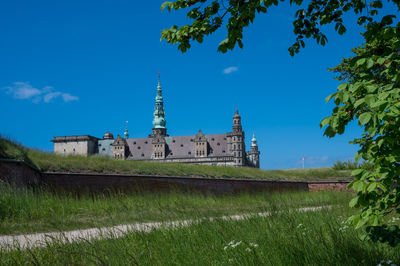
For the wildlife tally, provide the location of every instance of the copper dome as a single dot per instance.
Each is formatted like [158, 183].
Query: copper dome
[108, 135]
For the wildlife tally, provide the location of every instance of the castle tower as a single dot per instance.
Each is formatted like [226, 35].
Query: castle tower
[200, 145]
[120, 149]
[237, 141]
[254, 154]
[159, 115]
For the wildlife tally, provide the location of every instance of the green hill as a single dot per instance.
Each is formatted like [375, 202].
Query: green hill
[97, 164]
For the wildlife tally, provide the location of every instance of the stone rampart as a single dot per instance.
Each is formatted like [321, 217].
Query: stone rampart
[22, 174]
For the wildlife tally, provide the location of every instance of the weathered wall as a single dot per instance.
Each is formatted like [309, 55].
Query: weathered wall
[22, 174]
[18, 173]
[336, 186]
[72, 147]
[164, 183]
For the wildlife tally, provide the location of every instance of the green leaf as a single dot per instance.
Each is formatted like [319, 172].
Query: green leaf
[330, 97]
[365, 118]
[370, 63]
[360, 62]
[357, 172]
[371, 187]
[353, 202]
[325, 121]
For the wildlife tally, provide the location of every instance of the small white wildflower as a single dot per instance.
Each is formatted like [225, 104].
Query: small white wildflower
[253, 245]
[248, 249]
[300, 225]
[226, 247]
[304, 233]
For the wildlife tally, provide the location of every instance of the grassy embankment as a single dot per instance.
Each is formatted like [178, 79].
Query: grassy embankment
[26, 210]
[287, 238]
[97, 164]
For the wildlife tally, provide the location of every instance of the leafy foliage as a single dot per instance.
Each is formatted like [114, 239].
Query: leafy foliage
[370, 93]
[209, 16]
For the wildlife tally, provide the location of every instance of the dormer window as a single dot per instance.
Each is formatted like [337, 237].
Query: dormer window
[145, 142]
[134, 142]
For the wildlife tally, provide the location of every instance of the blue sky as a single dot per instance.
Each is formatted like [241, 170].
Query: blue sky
[85, 67]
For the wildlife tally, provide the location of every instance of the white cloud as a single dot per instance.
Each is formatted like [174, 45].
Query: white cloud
[25, 91]
[69, 98]
[230, 70]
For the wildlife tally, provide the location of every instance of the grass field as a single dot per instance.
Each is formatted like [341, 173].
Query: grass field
[97, 164]
[287, 238]
[27, 210]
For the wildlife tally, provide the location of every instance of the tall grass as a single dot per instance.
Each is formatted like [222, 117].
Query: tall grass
[288, 238]
[351, 165]
[99, 164]
[34, 210]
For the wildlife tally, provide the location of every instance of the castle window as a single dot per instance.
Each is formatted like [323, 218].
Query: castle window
[234, 138]
[238, 146]
[64, 150]
[181, 145]
[74, 149]
[239, 161]
[191, 140]
[234, 146]
[173, 141]
[171, 153]
[223, 151]
[104, 149]
[142, 154]
[134, 142]
[189, 152]
[138, 147]
[145, 142]
[211, 151]
[218, 144]
[212, 139]
[99, 144]
[224, 138]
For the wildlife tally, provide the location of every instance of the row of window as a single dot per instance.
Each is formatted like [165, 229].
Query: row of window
[199, 153]
[158, 154]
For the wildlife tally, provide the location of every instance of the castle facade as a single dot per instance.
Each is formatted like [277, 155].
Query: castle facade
[226, 149]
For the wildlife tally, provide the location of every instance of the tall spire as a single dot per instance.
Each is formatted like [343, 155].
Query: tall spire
[159, 114]
[126, 133]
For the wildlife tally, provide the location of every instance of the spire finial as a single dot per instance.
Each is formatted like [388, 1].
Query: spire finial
[159, 75]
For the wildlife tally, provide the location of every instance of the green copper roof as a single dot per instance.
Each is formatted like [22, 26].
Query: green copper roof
[254, 138]
[159, 115]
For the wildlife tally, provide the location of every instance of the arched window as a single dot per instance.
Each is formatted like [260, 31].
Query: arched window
[234, 146]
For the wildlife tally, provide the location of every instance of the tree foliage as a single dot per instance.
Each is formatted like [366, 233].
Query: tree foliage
[370, 94]
[209, 16]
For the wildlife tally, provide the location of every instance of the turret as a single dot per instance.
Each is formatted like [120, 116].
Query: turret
[254, 154]
[159, 121]
[237, 141]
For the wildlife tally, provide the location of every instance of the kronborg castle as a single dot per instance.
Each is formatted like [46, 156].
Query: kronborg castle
[218, 149]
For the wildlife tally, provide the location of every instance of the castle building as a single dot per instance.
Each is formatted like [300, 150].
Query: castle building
[226, 149]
